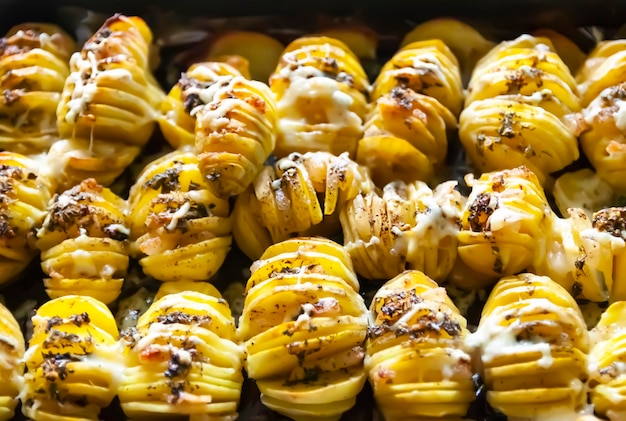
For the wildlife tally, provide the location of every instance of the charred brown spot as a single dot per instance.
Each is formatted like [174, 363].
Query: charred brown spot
[167, 181]
[177, 366]
[579, 263]
[499, 183]
[52, 322]
[8, 48]
[58, 338]
[10, 96]
[290, 270]
[403, 81]
[432, 322]
[402, 97]
[104, 33]
[612, 221]
[517, 79]
[392, 307]
[7, 231]
[529, 330]
[616, 92]
[498, 265]
[339, 171]
[479, 213]
[427, 325]
[156, 220]
[176, 390]
[184, 318]
[450, 326]
[54, 366]
[507, 124]
[80, 319]
[6, 186]
[191, 100]
[113, 233]
[330, 64]
[343, 77]
[130, 335]
[310, 375]
[63, 217]
[11, 171]
[71, 208]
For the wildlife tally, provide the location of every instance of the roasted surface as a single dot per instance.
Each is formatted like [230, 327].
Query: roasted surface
[181, 214]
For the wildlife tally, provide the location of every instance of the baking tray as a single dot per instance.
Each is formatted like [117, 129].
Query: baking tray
[286, 20]
[503, 13]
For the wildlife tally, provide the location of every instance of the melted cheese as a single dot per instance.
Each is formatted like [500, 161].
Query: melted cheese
[222, 85]
[105, 358]
[45, 40]
[434, 220]
[620, 115]
[214, 117]
[120, 228]
[543, 47]
[456, 356]
[373, 242]
[155, 332]
[429, 63]
[83, 263]
[310, 83]
[595, 108]
[205, 73]
[440, 219]
[84, 69]
[85, 78]
[303, 320]
[495, 339]
[176, 216]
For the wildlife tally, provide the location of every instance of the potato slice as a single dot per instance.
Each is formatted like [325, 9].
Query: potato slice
[390, 158]
[362, 40]
[261, 51]
[467, 44]
[581, 189]
[570, 53]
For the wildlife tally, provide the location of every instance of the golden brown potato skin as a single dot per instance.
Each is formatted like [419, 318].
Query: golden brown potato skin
[321, 95]
[179, 230]
[33, 67]
[303, 326]
[24, 196]
[183, 357]
[417, 343]
[12, 369]
[301, 194]
[403, 226]
[72, 360]
[109, 104]
[83, 243]
[533, 344]
[522, 108]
